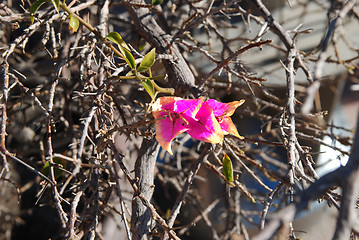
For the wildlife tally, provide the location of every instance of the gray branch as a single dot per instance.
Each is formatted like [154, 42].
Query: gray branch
[346, 177]
[179, 74]
[141, 221]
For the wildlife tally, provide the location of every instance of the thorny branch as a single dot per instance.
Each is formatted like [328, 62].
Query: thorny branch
[143, 199]
[292, 139]
[347, 218]
[179, 201]
[314, 87]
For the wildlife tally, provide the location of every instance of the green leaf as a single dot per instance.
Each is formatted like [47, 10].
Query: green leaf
[141, 47]
[56, 4]
[156, 2]
[61, 163]
[115, 37]
[147, 61]
[34, 7]
[73, 24]
[148, 85]
[130, 60]
[130, 73]
[227, 168]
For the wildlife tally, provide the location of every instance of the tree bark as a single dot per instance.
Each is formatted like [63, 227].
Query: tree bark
[180, 75]
[141, 220]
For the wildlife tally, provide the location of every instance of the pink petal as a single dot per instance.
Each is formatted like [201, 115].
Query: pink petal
[228, 127]
[223, 109]
[205, 128]
[167, 129]
[165, 103]
[188, 107]
[170, 114]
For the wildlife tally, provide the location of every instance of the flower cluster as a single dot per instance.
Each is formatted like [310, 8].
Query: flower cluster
[207, 121]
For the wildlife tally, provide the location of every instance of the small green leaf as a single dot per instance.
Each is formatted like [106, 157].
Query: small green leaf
[156, 2]
[115, 37]
[227, 168]
[130, 73]
[141, 47]
[148, 85]
[34, 7]
[130, 60]
[61, 163]
[73, 24]
[147, 61]
[56, 4]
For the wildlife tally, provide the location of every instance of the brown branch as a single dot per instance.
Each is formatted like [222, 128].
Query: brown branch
[281, 33]
[313, 87]
[122, 204]
[73, 216]
[56, 195]
[267, 204]
[177, 206]
[273, 24]
[200, 216]
[226, 61]
[141, 220]
[4, 77]
[292, 139]
[135, 187]
[179, 74]
[317, 190]
[348, 215]
[251, 173]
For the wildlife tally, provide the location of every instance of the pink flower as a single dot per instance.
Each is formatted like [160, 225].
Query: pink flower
[222, 112]
[205, 127]
[206, 121]
[172, 116]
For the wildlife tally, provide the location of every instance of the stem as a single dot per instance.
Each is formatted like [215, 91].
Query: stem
[117, 52]
[163, 90]
[91, 28]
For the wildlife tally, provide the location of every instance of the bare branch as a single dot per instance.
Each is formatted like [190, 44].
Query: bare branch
[313, 88]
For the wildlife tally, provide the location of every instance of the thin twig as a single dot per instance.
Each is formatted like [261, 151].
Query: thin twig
[177, 206]
[4, 77]
[313, 87]
[144, 201]
[230, 58]
[291, 144]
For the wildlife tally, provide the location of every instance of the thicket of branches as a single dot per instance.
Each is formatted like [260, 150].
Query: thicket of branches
[66, 102]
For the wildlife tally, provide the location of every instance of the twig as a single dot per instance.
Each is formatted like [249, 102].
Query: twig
[73, 217]
[292, 139]
[253, 175]
[145, 202]
[268, 203]
[57, 197]
[200, 216]
[230, 58]
[119, 194]
[274, 25]
[281, 33]
[313, 88]
[177, 206]
[316, 190]
[4, 71]
[7, 154]
[201, 19]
